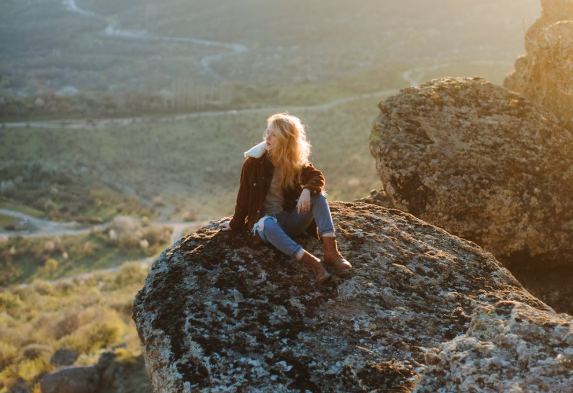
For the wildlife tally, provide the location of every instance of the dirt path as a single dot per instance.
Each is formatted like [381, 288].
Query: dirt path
[82, 124]
[142, 35]
[413, 76]
[45, 228]
[40, 228]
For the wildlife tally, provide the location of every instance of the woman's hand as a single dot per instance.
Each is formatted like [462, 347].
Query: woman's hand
[303, 201]
[225, 226]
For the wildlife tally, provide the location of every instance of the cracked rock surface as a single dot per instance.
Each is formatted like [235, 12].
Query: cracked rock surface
[422, 310]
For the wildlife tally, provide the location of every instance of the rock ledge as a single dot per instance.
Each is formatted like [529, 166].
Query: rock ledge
[422, 310]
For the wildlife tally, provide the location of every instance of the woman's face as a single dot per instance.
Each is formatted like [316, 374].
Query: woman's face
[270, 137]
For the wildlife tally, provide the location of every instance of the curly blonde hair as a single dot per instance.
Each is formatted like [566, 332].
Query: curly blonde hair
[292, 150]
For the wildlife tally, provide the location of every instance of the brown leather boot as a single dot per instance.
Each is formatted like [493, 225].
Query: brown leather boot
[332, 256]
[317, 267]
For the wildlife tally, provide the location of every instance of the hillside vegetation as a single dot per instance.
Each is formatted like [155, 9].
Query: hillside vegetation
[82, 315]
[123, 58]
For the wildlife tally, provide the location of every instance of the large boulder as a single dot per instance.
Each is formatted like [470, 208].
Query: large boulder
[481, 162]
[217, 316]
[545, 73]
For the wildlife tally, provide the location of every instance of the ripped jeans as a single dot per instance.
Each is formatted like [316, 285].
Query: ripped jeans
[279, 229]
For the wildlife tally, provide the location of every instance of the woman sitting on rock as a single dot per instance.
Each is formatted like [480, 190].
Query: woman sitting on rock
[280, 194]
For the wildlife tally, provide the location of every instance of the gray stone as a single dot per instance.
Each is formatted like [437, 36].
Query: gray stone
[71, 380]
[64, 357]
[67, 91]
[217, 316]
[481, 162]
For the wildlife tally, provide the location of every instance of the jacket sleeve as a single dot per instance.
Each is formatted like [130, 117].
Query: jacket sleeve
[242, 203]
[313, 179]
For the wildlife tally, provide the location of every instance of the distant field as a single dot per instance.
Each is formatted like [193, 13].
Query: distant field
[197, 162]
[21, 208]
[85, 315]
[7, 220]
[45, 47]
[24, 260]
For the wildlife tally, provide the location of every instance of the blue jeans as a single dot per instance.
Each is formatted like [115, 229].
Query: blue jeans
[278, 230]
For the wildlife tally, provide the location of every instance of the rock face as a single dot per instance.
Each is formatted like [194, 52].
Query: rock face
[483, 163]
[545, 73]
[422, 310]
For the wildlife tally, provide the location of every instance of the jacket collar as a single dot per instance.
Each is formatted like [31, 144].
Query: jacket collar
[256, 151]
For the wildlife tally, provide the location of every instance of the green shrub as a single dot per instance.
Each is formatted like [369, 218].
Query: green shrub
[155, 234]
[94, 336]
[29, 370]
[8, 271]
[190, 216]
[8, 378]
[65, 287]
[42, 287]
[8, 354]
[89, 297]
[123, 307]
[130, 273]
[18, 335]
[81, 248]
[36, 350]
[10, 303]
[52, 209]
[86, 315]
[65, 324]
[127, 356]
[50, 267]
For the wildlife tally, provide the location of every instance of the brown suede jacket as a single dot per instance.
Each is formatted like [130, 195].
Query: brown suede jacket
[256, 177]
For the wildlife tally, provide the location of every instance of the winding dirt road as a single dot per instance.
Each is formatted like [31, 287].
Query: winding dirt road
[413, 76]
[45, 228]
[142, 35]
[42, 228]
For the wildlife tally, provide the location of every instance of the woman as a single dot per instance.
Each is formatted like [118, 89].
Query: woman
[280, 194]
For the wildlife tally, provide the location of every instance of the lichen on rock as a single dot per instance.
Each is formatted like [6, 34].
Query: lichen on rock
[505, 338]
[217, 316]
[481, 162]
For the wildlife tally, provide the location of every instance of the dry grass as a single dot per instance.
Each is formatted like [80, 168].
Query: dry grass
[83, 315]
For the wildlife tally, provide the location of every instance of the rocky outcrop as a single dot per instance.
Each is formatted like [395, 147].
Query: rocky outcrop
[545, 73]
[217, 316]
[483, 163]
